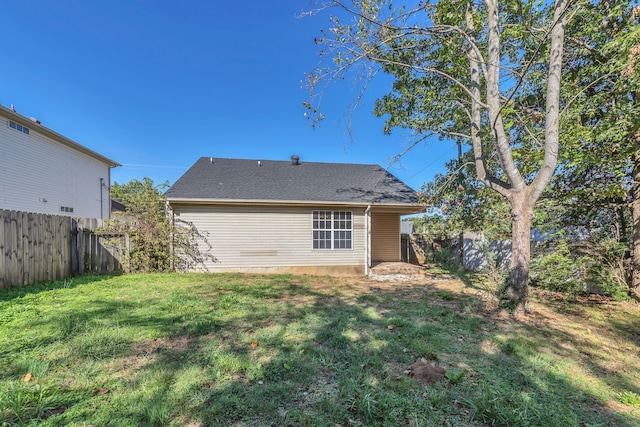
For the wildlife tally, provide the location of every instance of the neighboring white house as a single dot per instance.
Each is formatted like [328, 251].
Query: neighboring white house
[301, 217]
[42, 171]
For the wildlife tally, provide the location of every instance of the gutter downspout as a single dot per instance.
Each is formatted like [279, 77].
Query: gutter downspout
[367, 249]
[172, 242]
[101, 199]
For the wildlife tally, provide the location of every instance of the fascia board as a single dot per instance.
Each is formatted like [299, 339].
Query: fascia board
[413, 208]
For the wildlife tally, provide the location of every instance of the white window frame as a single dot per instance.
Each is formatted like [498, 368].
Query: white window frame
[18, 127]
[332, 229]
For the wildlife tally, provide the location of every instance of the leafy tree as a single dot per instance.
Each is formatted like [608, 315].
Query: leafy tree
[465, 203]
[159, 242]
[601, 153]
[470, 71]
[149, 227]
[141, 196]
[593, 190]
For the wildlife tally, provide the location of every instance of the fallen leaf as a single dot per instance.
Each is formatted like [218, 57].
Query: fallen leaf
[254, 344]
[27, 377]
[98, 391]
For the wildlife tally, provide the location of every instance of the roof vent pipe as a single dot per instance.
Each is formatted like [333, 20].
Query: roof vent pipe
[295, 160]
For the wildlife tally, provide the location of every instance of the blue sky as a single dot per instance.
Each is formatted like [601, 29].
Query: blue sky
[156, 84]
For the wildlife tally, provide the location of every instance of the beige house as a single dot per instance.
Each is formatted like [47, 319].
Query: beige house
[280, 216]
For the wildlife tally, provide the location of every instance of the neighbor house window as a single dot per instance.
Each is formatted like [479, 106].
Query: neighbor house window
[18, 127]
[66, 209]
[332, 230]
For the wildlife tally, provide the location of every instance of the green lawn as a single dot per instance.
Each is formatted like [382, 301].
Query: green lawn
[246, 350]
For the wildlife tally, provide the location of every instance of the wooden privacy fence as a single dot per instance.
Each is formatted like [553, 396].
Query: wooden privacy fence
[38, 247]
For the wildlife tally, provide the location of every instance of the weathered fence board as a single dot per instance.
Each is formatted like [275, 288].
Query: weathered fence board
[38, 248]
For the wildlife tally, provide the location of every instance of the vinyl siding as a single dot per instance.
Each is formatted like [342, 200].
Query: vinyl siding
[265, 237]
[35, 168]
[385, 237]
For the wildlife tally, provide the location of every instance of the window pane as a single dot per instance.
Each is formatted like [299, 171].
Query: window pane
[332, 230]
[342, 240]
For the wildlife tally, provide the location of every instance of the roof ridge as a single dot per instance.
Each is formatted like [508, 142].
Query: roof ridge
[289, 161]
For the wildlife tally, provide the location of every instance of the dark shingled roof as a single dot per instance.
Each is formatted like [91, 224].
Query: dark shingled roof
[239, 179]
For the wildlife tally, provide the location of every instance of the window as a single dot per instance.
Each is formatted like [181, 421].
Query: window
[18, 127]
[332, 230]
[66, 209]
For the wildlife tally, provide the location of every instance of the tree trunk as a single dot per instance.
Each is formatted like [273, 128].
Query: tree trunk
[635, 210]
[517, 285]
[622, 225]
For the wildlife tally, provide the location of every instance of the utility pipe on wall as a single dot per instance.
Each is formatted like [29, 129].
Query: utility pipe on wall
[367, 250]
[101, 199]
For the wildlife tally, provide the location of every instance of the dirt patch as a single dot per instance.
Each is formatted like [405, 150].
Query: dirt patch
[404, 272]
[326, 384]
[425, 372]
[153, 346]
[386, 268]
[147, 351]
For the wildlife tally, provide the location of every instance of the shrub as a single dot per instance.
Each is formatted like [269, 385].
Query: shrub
[443, 258]
[595, 265]
[158, 241]
[558, 271]
[605, 267]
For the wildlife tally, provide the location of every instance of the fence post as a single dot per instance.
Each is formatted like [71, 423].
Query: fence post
[4, 246]
[127, 253]
[75, 262]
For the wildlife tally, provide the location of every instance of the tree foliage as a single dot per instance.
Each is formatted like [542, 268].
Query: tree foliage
[594, 265]
[148, 226]
[158, 241]
[466, 204]
[594, 182]
[597, 185]
[471, 71]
